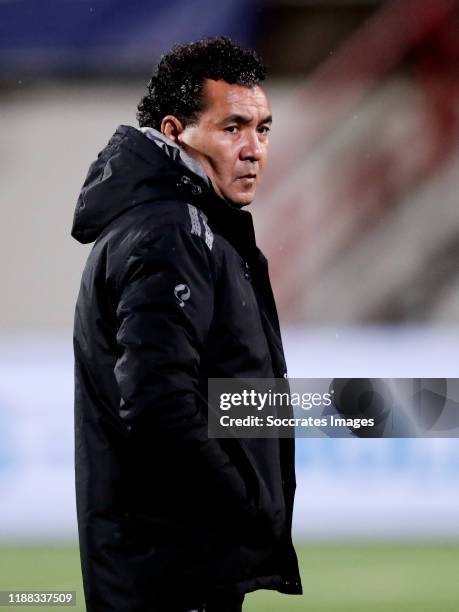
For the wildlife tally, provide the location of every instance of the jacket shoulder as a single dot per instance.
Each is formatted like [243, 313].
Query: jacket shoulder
[159, 223]
[152, 217]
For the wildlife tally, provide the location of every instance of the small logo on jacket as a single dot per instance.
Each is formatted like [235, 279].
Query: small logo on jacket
[182, 293]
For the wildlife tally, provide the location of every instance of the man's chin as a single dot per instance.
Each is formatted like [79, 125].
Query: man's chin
[241, 199]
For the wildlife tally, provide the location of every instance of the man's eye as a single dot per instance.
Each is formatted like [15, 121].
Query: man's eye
[232, 129]
[264, 129]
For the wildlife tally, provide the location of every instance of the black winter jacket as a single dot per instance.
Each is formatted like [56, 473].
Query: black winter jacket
[174, 291]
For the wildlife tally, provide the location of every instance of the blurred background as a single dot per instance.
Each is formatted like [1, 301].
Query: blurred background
[358, 216]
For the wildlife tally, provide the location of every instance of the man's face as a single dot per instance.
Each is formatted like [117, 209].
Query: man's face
[231, 138]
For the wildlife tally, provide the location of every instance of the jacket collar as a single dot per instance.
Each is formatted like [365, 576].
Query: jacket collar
[230, 218]
[175, 152]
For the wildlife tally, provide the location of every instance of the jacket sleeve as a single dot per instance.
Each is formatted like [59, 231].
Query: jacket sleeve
[164, 312]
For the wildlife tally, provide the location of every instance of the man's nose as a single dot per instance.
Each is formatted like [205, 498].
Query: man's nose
[251, 149]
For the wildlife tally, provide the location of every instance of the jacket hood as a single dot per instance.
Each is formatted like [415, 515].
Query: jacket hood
[136, 166]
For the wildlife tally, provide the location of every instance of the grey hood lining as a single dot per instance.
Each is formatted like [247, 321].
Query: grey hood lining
[175, 152]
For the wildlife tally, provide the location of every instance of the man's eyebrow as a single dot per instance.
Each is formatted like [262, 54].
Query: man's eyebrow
[244, 119]
[268, 119]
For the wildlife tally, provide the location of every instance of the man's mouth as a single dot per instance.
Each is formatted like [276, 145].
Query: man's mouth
[247, 177]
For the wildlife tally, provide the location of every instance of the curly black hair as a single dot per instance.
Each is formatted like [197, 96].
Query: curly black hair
[176, 85]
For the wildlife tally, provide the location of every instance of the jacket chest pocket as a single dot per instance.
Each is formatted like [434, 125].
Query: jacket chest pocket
[238, 346]
[239, 306]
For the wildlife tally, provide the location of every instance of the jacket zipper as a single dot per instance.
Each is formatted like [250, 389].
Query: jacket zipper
[247, 274]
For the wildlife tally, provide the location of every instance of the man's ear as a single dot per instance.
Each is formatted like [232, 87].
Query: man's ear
[172, 127]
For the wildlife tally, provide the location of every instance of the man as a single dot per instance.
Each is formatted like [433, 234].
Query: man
[174, 292]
